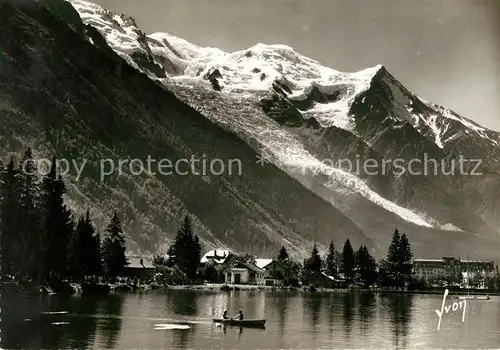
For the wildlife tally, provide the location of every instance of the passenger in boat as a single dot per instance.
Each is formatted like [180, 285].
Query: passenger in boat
[224, 315]
[240, 316]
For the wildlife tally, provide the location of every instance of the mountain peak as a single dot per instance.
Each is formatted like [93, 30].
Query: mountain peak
[189, 117]
[258, 67]
[272, 47]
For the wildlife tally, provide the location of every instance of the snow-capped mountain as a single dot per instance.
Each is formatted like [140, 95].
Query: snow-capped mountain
[259, 67]
[64, 91]
[315, 102]
[301, 116]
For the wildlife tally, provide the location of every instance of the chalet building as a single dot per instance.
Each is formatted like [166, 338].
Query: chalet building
[222, 260]
[275, 272]
[245, 273]
[139, 267]
[449, 267]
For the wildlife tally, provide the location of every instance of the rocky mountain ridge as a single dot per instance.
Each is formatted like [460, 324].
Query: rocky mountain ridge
[274, 102]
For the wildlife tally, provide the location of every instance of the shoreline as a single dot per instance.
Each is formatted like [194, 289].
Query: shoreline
[104, 289]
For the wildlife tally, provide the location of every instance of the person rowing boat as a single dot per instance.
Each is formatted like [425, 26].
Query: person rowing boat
[239, 320]
[240, 316]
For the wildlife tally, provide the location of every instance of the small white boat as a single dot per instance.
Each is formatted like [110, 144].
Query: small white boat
[474, 297]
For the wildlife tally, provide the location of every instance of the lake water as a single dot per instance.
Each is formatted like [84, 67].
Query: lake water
[180, 319]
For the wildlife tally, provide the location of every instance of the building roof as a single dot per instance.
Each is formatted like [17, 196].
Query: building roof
[249, 266]
[448, 258]
[135, 262]
[218, 256]
[262, 263]
[428, 260]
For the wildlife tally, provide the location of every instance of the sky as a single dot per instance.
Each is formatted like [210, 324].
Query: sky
[445, 51]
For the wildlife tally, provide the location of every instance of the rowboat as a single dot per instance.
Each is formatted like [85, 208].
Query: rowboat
[474, 297]
[241, 323]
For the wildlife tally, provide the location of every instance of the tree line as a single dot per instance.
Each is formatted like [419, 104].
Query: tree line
[356, 266]
[182, 264]
[40, 239]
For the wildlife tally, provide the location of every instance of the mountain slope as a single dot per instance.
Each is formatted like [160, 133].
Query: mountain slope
[197, 62]
[66, 88]
[62, 89]
[299, 112]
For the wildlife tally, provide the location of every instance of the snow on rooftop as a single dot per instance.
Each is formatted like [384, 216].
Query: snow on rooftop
[218, 256]
[428, 260]
[261, 263]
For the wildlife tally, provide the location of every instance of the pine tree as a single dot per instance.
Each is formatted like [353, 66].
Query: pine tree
[185, 252]
[84, 256]
[313, 264]
[366, 266]
[9, 223]
[29, 193]
[360, 258]
[113, 248]
[283, 255]
[393, 259]
[57, 224]
[331, 261]
[393, 255]
[405, 255]
[76, 253]
[371, 269]
[196, 256]
[94, 254]
[348, 261]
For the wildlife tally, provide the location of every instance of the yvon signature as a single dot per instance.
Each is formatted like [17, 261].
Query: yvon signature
[462, 305]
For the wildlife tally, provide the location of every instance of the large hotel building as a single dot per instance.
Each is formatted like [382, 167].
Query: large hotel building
[432, 268]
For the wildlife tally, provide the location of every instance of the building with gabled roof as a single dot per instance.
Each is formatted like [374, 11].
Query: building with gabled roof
[140, 267]
[245, 273]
